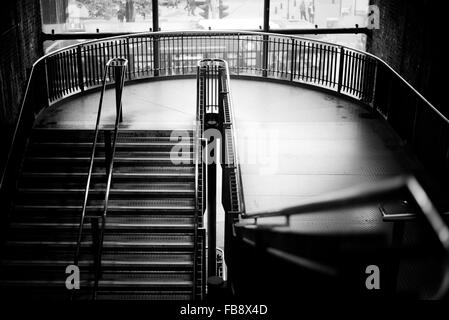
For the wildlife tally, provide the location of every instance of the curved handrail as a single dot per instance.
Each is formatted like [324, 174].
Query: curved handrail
[233, 33]
[243, 32]
[98, 53]
[156, 36]
[109, 168]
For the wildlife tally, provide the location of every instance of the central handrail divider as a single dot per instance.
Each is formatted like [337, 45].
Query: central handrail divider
[119, 66]
[214, 101]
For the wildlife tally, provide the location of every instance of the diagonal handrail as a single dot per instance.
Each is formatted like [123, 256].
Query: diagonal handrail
[199, 206]
[230, 123]
[120, 65]
[362, 194]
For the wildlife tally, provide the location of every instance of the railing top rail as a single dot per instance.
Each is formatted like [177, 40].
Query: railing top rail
[363, 194]
[243, 32]
[202, 33]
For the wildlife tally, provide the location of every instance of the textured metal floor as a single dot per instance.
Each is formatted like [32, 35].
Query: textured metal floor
[308, 143]
[294, 143]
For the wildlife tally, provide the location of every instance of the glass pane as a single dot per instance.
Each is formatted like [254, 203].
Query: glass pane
[305, 14]
[61, 16]
[353, 41]
[210, 14]
[50, 46]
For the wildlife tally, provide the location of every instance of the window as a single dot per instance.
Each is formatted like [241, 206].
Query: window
[62, 16]
[115, 16]
[210, 14]
[310, 14]
[300, 14]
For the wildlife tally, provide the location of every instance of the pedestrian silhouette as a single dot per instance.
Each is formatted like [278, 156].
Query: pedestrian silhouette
[302, 9]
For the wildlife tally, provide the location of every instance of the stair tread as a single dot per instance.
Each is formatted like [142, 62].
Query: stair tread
[108, 225]
[148, 247]
[116, 174]
[83, 283]
[117, 190]
[116, 159]
[105, 244]
[105, 262]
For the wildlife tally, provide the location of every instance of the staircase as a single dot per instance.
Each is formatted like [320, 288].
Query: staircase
[148, 249]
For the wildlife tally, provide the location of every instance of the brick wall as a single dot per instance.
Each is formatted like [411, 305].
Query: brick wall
[411, 40]
[20, 46]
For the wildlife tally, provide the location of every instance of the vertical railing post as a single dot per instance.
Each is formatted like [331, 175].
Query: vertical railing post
[340, 69]
[266, 28]
[238, 53]
[118, 73]
[128, 54]
[293, 58]
[373, 89]
[47, 91]
[156, 49]
[265, 56]
[182, 53]
[80, 68]
[156, 37]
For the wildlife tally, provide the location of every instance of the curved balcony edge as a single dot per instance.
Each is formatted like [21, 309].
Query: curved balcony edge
[289, 59]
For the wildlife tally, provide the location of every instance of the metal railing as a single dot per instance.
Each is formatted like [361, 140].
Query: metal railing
[201, 182]
[288, 59]
[254, 55]
[217, 122]
[118, 65]
[387, 189]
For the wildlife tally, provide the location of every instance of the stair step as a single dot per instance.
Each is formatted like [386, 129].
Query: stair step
[110, 220]
[109, 226]
[140, 143]
[99, 153]
[75, 135]
[103, 284]
[184, 161]
[144, 295]
[135, 192]
[148, 247]
[113, 204]
[111, 239]
[143, 244]
[77, 179]
[107, 262]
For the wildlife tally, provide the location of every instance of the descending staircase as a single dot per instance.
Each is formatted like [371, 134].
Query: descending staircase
[148, 250]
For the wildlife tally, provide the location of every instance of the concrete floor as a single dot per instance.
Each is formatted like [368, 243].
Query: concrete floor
[294, 143]
[161, 105]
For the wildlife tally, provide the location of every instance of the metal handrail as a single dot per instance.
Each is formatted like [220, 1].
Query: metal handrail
[109, 166]
[236, 162]
[197, 205]
[198, 140]
[183, 34]
[362, 194]
[232, 124]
